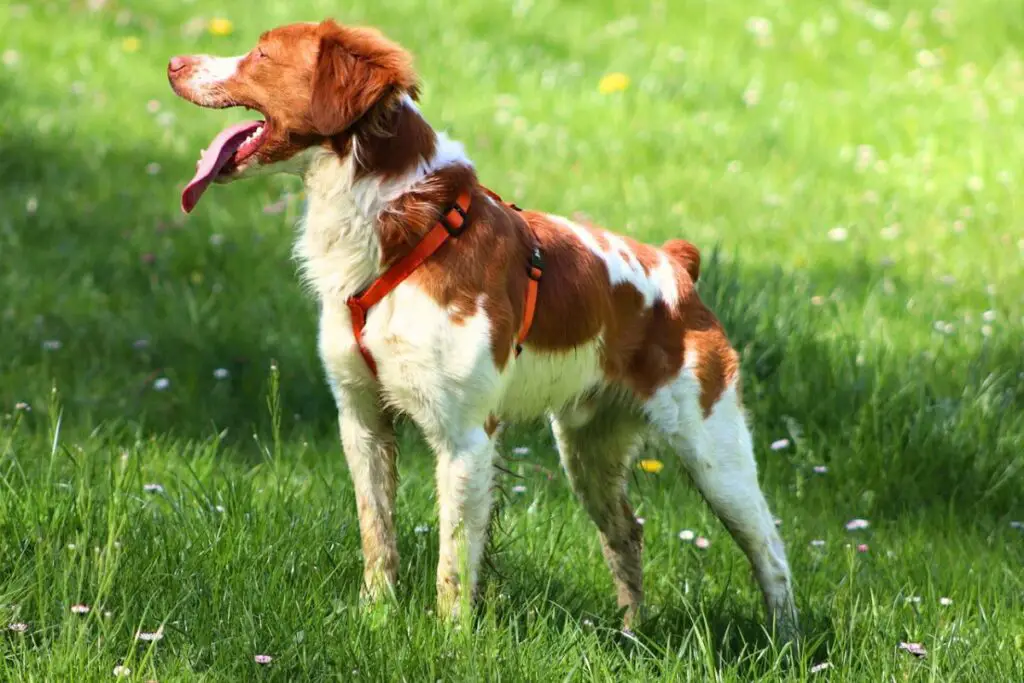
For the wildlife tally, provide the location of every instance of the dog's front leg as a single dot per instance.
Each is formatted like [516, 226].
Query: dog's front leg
[464, 471]
[368, 438]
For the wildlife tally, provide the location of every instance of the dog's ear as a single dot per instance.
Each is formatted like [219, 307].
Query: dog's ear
[355, 69]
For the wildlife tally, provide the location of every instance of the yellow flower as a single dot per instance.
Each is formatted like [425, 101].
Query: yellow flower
[613, 82]
[651, 466]
[221, 27]
[131, 44]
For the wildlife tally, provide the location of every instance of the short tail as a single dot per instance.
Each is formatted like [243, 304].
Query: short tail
[686, 255]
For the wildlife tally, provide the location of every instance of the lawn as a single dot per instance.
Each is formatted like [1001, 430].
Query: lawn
[168, 456]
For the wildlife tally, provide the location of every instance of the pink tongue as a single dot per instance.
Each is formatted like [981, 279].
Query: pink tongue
[215, 158]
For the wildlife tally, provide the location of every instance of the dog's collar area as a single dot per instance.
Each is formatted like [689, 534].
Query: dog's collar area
[452, 223]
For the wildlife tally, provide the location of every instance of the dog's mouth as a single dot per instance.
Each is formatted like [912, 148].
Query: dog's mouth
[230, 151]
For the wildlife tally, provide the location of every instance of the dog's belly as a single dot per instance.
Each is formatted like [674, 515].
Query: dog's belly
[539, 382]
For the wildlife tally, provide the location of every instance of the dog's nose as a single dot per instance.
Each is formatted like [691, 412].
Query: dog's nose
[176, 64]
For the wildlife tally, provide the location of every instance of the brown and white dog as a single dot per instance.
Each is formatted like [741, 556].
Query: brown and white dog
[620, 345]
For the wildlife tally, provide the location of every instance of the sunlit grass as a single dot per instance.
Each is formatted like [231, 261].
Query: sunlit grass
[859, 169]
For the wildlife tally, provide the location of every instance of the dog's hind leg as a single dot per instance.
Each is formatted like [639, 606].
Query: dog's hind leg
[596, 442]
[717, 452]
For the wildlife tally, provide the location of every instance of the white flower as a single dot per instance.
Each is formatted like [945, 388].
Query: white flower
[945, 602]
[422, 529]
[518, 488]
[152, 488]
[686, 535]
[838, 234]
[161, 383]
[52, 345]
[122, 671]
[221, 373]
[857, 524]
[521, 450]
[779, 444]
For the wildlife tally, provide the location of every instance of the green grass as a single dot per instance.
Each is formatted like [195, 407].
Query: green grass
[893, 356]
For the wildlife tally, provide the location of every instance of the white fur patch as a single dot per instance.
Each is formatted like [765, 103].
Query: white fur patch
[540, 381]
[623, 266]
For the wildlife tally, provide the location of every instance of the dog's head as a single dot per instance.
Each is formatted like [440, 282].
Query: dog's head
[310, 82]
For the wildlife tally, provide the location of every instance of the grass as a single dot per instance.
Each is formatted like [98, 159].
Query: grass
[859, 169]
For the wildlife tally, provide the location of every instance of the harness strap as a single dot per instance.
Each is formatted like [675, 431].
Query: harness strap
[451, 224]
[535, 271]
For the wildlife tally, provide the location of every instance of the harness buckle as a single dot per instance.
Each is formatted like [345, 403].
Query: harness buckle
[452, 230]
[536, 264]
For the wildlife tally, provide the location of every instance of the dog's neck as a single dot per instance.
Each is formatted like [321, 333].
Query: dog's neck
[368, 198]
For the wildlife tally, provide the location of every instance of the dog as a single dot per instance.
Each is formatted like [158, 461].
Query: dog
[442, 302]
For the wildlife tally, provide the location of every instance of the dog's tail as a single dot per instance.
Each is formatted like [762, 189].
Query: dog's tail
[686, 255]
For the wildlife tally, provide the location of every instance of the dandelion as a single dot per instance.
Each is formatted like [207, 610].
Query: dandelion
[519, 488]
[221, 373]
[80, 609]
[779, 444]
[651, 466]
[945, 602]
[521, 450]
[820, 469]
[857, 524]
[838, 234]
[263, 659]
[612, 83]
[131, 44]
[17, 627]
[686, 535]
[702, 543]
[152, 488]
[220, 26]
[916, 649]
[161, 383]
[122, 671]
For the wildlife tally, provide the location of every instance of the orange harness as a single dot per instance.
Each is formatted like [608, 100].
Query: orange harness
[451, 224]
